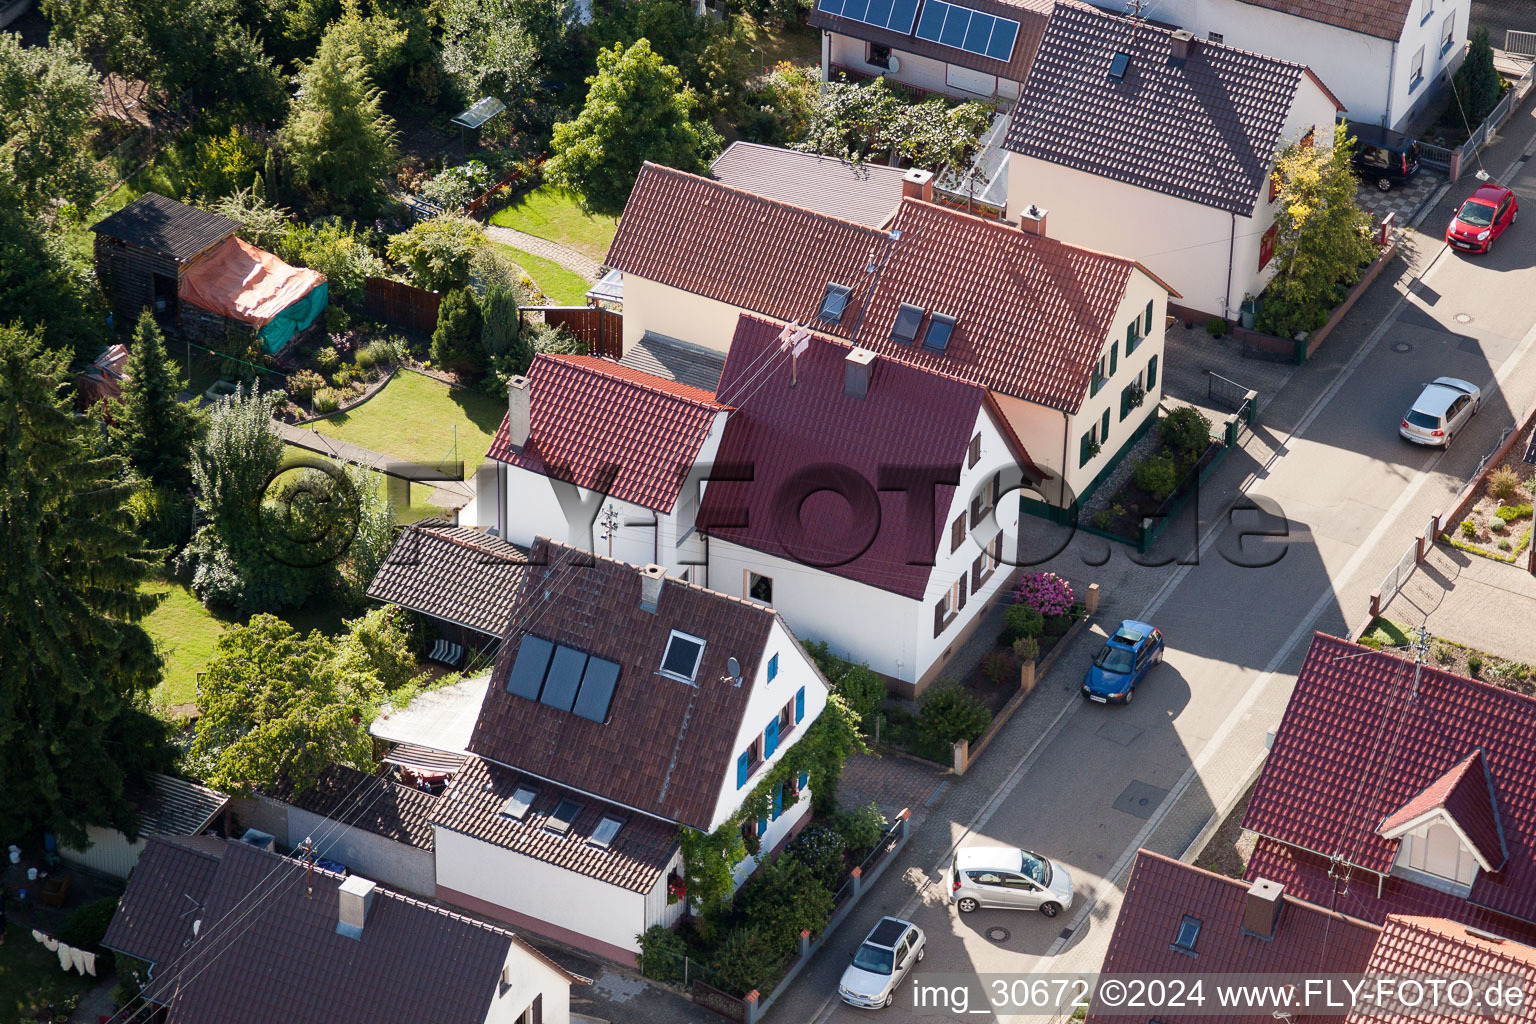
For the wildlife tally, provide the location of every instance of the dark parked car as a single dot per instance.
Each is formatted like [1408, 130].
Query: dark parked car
[1383, 158]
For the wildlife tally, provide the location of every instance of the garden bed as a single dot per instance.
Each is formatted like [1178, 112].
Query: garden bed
[1160, 478]
[1496, 518]
[1451, 656]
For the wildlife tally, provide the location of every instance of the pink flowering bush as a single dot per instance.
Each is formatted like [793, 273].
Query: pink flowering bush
[1045, 592]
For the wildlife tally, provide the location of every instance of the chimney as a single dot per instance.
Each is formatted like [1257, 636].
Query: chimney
[1261, 911]
[651, 578]
[519, 412]
[354, 900]
[858, 365]
[917, 184]
[1032, 219]
[1183, 44]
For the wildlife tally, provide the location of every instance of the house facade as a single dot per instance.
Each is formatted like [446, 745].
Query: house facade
[975, 49]
[1159, 146]
[1384, 59]
[696, 694]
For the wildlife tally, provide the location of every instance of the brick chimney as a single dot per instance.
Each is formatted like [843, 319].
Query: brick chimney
[1183, 44]
[354, 900]
[1032, 219]
[519, 412]
[1261, 910]
[651, 579]
[917, 184]
[858, 365]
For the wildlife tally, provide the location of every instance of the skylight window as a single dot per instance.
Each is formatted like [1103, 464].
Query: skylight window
[908, 319]
[682, 657]
[1189, 931]
[562, 817]
[940, 327]
[834, 302]
[606, 829]
[518, 803]
[1118, 66]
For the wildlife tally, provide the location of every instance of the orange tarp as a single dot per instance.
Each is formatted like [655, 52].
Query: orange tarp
[245, 283]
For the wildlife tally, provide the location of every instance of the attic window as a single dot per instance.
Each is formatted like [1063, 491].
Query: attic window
[908, 319]
[518, 803]
[606, 830]
[681, 660]
[564, 814]
[940, 327]
[1117, 67]
[1189, 931]
[833, 302]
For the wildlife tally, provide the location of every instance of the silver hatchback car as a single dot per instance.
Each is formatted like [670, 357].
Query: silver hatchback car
[1007, 877]
[1441, 410]
[891, 949]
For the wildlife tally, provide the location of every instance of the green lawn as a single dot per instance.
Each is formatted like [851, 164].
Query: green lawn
[560, 286]
[185, 632]
[30, 977]
[414, 418]
[555, 214]
[771, 45]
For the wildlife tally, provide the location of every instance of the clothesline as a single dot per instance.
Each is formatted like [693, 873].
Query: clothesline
[70, 958]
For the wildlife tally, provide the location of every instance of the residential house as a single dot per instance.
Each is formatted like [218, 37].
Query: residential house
[1395, 788]
[241, 936]
[625, 706]
[1384, 59]
[1067, 340]
[167, 806]
[1151, 143]
[980, 48]
[1177, 919]
[866, 193]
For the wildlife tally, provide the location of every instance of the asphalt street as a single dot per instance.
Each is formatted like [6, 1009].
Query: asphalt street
[1087, 785]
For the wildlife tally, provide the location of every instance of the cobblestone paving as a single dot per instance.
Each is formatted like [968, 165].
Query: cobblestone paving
[1403, 200]
[570, 259]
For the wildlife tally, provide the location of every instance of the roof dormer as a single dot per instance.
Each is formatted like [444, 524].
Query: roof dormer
[1451, 828]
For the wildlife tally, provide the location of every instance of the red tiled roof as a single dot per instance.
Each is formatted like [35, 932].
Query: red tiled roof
[1466, 794]
[1308, 939]
[386, 808]
[1033, 313]
[1384, 19]
[1431, 945]
[909, 417]
[588, 414]
[1356, 744]
[667, 745]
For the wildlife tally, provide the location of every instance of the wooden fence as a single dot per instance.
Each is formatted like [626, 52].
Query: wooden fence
[602, 330]
[401, 305]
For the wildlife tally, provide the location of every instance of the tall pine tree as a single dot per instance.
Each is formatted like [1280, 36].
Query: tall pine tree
[75, 731]
[151, 427]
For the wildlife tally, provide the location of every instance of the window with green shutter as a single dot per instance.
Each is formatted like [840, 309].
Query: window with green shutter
[1148, 328]
[1085, 449]
[1114, 357]
[1125, 401]
[1104, 428]
[1130, 336]
[1152, 375]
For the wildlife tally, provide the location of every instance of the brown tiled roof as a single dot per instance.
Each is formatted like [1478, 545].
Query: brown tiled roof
[667, 746]
[1204, 129]
[453, 573]
[381, 806]
[1033, 313]
[863, 192]
[1384, 19]
[163, 225]
[1431, 945]
[1030, 14]
[1466, 794]
[286, 961]
[1308, 939]
[152, 921]
[590, 417]
[178, 807]
[638, 855]
[1311, 793]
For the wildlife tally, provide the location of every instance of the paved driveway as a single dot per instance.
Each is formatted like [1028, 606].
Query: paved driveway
[1087, 785]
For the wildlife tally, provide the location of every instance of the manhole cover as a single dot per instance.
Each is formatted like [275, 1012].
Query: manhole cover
[1401, 346]
[1140, 799]
[1463, 318]
[998, 935]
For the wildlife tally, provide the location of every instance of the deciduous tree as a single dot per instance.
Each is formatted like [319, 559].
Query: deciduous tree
[439, 252]
[48, 95]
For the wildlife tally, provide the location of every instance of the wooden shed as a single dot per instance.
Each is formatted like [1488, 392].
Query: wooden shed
[170, 807]
[144, 250]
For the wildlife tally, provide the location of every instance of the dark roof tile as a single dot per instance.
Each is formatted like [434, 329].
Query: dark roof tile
[452, 573]
[866, 193]
[152, 921]
[1384, 19]
[387, 809]
[165, 226]
[1030, 14]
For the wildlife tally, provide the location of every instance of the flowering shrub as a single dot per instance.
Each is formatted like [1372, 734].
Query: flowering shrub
[1045, 592]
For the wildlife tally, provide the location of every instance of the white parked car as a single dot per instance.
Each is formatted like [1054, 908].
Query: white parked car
[890, 950]
[1441, 410]
[1010, 878]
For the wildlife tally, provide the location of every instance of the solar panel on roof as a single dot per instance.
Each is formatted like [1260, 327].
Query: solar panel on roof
[940, 327]
[527, 676]
[596, 691]
[1004, 33]
[975, 32]
[895, 15]
[564, 677]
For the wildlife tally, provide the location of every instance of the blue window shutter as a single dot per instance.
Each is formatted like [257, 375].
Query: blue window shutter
[743, 765]
[778, 802]
[799, 705]
[773, 667]
[762, 826]
[770, 738]
[805, 779]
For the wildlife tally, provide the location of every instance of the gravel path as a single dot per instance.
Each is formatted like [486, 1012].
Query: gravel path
[568, 258]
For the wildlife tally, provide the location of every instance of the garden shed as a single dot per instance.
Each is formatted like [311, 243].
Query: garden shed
[188, 267]
[169, 807]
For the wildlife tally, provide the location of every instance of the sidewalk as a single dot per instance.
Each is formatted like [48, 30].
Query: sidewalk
[1471, 600]
[570, 259]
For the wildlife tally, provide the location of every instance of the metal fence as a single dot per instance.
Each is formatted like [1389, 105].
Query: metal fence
[1229, 394]
[1399, 573]
[1438, 157]
[1464, 153]
[1521, 43]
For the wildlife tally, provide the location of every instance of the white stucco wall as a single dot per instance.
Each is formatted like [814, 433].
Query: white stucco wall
[778, 829]
[919, 71]
[110, 852]
[674, 313]
[1407, 99]
[392, 864]
[529, 977]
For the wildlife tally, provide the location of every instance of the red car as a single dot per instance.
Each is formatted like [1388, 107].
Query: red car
[1482, 218]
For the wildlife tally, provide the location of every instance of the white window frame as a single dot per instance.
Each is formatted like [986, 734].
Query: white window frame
[690, 680]
[746, 586]
[1448, 32]
[1416, 69]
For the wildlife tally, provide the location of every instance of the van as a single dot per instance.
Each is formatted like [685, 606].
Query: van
[1382, 157]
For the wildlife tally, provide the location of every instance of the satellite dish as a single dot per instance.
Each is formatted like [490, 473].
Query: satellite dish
[734, 668]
